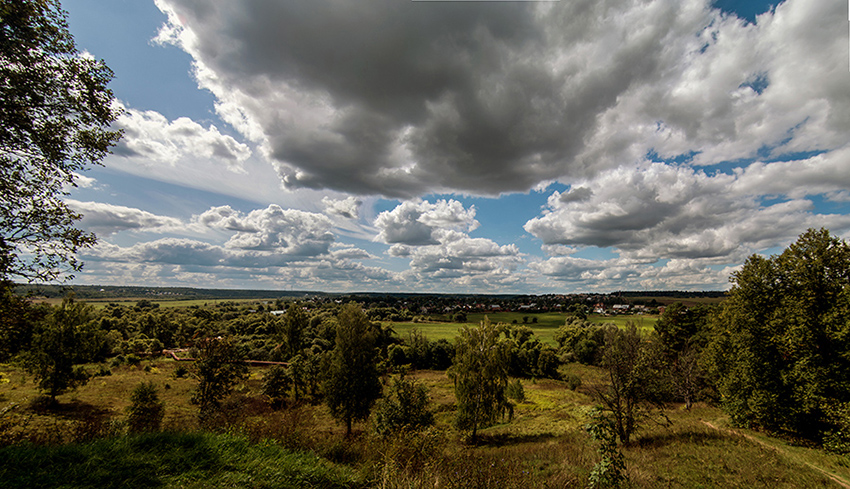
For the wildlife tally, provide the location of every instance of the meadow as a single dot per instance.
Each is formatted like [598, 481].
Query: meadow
[81, 443]
[544, 328]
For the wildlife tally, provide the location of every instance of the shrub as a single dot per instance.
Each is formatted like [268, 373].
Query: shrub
[573, 381]
[275, 385]
[404, 408]
[610, 471]
[515, 391]
[146, 410]
[180, 372]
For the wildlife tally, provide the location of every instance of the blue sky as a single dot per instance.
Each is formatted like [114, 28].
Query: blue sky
[474, 147]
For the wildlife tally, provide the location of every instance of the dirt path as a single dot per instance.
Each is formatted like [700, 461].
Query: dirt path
[838, 479]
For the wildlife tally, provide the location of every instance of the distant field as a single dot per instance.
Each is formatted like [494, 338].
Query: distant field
[545, 328]
[100, 303]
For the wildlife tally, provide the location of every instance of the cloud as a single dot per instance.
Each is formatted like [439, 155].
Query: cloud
[284, 231]
[420, 222]
[348, 207]
[196, 263]
[433, 237]
[108, 219]
[660, 212]
[149, 136]
[83, 181]
[402, 99]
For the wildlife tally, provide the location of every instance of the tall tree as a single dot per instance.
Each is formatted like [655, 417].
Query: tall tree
[480, 375]
[352, 384]
[219, 366]
[55, 113]
[637, 382]
[683, 333]
[292, 329]
[782, 353]
[67, 337]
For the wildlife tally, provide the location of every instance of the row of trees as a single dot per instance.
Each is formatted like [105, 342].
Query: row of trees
[775, 354]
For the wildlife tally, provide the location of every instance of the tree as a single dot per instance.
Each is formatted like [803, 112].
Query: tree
[352, 385]
[405, 407]
[781, 355]
[16, 318]
[66, 338]
[480, 375]
[275, 385]
[683, 334]
[219, 366]
[636, 380]
[55, 113]
[146, 410]
[292, 329]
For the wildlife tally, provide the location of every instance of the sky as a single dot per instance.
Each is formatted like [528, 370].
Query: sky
[463, 147]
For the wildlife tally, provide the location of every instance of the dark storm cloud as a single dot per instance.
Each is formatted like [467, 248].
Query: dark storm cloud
[404, 98]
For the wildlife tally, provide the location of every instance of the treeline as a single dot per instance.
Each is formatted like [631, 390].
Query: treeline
[775, 355]
[102, 292]
[435, 302]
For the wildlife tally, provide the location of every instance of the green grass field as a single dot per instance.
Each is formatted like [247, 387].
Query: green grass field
[545, 327]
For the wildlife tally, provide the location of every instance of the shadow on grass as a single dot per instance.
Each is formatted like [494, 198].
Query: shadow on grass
[688, 437]
[508, 439]
[74, 410]
[133, 461]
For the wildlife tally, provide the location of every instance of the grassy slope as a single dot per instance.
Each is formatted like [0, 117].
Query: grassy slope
[168, 460]
[543, 444]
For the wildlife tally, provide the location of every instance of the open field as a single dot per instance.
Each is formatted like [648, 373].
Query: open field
[544, 444]
[545, 327]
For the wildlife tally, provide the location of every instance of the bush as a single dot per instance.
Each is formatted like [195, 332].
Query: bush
[573, 381]
[404, 408]
[180, 372]
[146, 410]
[276, 383]
[515, 391]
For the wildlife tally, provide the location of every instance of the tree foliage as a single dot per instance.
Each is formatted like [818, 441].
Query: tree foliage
[782, 353]
[276, 383]
[683, 333]
[292, 329]
[55, 113]
[637, 382]
[480, 375]
[403, 408]
[352, 385]
[66, 338]
[219, 367]
[146, 410]
[16, 318]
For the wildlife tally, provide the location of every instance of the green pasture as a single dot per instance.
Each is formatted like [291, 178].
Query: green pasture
[545, 327]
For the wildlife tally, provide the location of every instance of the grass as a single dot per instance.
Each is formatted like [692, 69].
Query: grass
[185, 460]
[693, 454]
[545, 327]
[544, 445]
